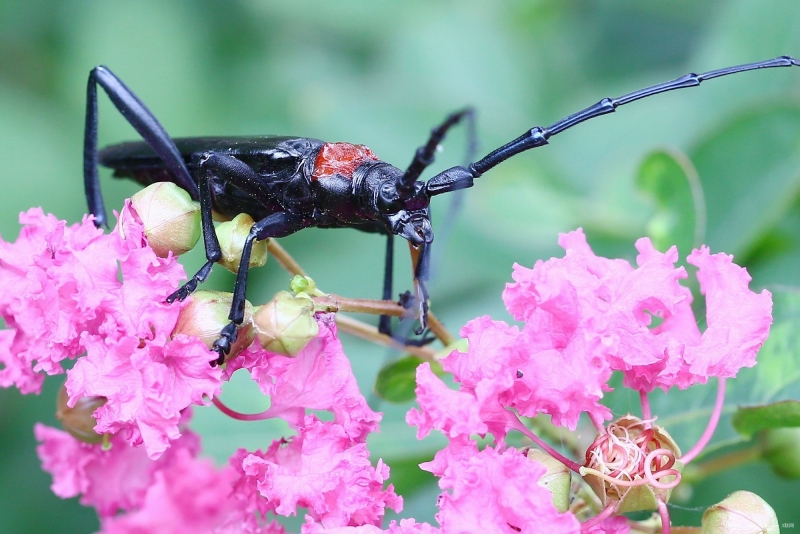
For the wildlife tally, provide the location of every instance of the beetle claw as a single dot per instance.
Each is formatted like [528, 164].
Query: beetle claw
[222, 346]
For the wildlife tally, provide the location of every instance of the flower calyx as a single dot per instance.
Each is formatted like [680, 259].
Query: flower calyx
[79, 420]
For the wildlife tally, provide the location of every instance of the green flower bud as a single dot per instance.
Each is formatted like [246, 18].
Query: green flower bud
[286, 324]
[557, 479]
[171, 220]
[79, 420]
[231, 236]
[782, 450]
[306, 285]
[740, 512]
[207, 313]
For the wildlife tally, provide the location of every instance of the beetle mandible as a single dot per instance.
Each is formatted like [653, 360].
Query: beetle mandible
[290, 183]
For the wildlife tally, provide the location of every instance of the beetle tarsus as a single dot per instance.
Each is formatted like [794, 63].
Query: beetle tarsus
[222, 346]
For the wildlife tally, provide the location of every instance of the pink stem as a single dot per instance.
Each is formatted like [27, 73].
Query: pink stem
[599, 518]
[647, 414]
[238, 415]
[712, 426]
[598, 423]
[666, 527]
[516, 423]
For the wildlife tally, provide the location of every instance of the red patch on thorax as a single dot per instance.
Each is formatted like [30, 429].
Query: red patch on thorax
[340, 158]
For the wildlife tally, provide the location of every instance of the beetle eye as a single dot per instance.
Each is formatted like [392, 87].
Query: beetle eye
[388, 199]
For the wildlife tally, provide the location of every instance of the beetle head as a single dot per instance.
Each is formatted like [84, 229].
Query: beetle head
[403, 210]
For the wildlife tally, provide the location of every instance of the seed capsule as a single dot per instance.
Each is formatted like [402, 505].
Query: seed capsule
[171, 220]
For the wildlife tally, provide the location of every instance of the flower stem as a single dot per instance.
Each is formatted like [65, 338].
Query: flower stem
[647, 413]
[377, 307]
[712, 425]
[664, 513]
[517, 424]
[238, 415]
[370, 333]
[599, 518]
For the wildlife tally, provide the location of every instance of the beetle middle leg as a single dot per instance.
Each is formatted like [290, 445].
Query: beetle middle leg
[423, 158]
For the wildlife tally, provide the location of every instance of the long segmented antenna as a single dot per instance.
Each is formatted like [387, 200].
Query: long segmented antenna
[461, 177]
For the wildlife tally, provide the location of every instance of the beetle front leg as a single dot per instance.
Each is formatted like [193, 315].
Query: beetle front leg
[276, 225]
[213, 251]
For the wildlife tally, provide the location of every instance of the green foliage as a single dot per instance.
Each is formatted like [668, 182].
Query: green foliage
[748, 421]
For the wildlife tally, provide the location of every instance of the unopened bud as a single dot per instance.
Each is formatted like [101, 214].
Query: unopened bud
[79, 420]
[207, 313]
[286, 324]
[171, 220]
[232, 235]
[304, 284]
[557, 479]
[740, 512]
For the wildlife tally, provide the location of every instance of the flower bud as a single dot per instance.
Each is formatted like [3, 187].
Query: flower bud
[740, 512]
[78, 420]
[557, 479]
[286, 324]
[232, 235]
[781, 448]
[207, 313]
[304, 284]
[171, 220]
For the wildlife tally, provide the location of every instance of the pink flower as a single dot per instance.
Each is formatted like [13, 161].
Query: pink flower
[495, 491]
[323, 470]
[61, 295]
[110, 480]
[405, 526]
[319, 378]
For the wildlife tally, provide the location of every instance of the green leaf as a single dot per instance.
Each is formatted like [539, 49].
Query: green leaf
[748, 421]
[750, 171]
[396, 381]
[671, 181]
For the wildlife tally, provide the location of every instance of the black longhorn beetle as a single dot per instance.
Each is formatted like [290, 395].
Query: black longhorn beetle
[290, 183]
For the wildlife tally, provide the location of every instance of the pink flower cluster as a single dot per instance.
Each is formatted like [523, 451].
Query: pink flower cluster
[586, 316]
[73, 292]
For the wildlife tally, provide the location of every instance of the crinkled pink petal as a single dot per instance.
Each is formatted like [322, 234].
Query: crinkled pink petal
[16, 370]
[498, 492]
[323, 470]
[319, 378]
[146, 385]
[453, 412]
[738, 319]
[493, 352]
[110, 480]
[188, 495]
[406, 526]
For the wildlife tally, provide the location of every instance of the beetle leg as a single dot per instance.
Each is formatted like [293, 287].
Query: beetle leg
[142, 120]
[385, 322]
[406, 300]
[424, 155]
[207, 165]
[276, 225]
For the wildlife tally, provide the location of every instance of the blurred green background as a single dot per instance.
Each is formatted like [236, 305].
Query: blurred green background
[382, 74]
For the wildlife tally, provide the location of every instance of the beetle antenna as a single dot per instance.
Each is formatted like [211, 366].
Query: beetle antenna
[538, 136]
